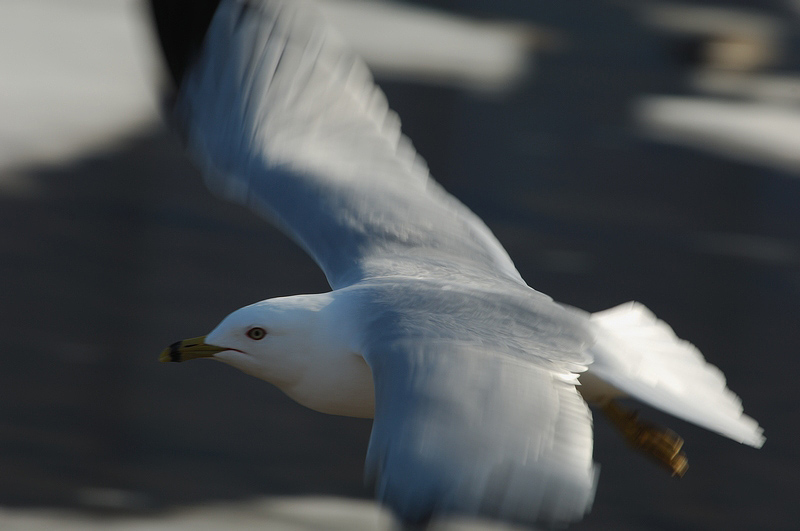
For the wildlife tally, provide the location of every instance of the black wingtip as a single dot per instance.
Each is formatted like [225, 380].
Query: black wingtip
[182, 26]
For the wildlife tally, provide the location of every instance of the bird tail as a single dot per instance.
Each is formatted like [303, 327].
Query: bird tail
[641, 356]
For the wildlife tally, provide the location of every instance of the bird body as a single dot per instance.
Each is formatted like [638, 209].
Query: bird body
[470, 374]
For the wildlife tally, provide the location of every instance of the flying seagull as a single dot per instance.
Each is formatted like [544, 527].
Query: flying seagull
[477, 383]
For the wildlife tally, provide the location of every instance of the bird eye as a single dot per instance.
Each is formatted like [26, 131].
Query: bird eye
[256, 333]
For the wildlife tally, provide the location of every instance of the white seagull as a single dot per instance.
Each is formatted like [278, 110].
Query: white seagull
[471, 376]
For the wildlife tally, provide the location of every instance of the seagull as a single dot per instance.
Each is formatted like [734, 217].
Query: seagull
[477, 383]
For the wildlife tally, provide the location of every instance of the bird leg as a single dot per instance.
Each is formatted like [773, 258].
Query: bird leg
[660, 444]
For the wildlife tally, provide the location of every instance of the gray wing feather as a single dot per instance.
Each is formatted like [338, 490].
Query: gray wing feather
[476, 410]
[459, 429]
[284, 119]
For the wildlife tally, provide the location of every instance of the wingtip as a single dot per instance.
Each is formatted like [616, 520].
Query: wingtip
[756, 438]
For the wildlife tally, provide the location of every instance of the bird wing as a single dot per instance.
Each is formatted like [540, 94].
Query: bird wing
[462, 430]
[283, 118]
[477, 414]
[640, 355]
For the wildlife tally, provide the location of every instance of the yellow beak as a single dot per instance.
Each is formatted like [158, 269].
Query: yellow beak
[189, 349]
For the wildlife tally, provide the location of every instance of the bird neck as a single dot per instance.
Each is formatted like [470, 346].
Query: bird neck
[328, 373]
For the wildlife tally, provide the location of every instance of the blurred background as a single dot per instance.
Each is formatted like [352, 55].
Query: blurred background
[619, 150]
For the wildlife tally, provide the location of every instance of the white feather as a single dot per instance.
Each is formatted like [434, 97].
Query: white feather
[640, 355]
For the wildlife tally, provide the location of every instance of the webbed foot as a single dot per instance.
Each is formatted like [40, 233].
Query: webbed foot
[660, 444]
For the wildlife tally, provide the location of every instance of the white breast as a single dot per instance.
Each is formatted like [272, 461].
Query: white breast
[337, 384]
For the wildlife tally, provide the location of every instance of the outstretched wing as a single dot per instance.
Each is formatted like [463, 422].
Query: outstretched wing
[461, 429]
[476, 410]
[282, 118]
